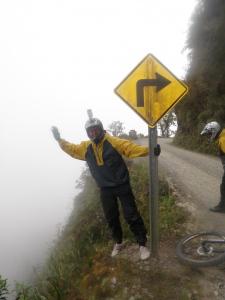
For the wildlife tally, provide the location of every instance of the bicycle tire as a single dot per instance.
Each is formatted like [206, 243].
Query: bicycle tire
[200, 261]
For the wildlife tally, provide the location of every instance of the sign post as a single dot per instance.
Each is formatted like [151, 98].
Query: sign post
[153, 192]
[151, 90]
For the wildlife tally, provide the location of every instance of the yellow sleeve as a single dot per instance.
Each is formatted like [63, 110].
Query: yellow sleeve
[128, 148]
[76, 151]
[222, 144]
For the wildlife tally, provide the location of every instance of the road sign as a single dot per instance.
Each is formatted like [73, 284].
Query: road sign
[151, 90]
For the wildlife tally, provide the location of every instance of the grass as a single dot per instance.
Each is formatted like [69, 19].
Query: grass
[196, 143]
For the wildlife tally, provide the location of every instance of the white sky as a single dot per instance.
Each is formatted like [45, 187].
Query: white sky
[57, 59]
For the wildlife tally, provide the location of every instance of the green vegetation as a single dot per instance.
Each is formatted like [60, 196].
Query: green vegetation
[3, 288]
[205, 76]
[80, 266]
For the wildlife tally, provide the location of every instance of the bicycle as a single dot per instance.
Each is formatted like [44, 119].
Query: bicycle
[203, 249]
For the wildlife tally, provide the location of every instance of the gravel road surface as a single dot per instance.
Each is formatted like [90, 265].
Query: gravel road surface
[198, 178]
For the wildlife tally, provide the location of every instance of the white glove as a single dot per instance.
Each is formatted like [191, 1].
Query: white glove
[56, 133]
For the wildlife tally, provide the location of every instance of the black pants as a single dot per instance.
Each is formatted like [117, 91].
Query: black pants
[109, 198]
[222, 190]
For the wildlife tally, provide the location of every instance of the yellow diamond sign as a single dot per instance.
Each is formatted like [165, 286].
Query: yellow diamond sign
[151, 90]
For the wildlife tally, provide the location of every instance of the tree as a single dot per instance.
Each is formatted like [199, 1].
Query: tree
[116, 128]
[206, 72]
[167, 124]
[205, 75]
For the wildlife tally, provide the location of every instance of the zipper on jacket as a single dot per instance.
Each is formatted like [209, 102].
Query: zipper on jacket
[97, 149]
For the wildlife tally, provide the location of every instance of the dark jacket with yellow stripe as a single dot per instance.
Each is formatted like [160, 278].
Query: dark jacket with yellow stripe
[105, 158]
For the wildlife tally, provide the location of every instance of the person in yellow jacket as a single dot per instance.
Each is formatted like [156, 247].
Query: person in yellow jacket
[215, 133]
[103, 154]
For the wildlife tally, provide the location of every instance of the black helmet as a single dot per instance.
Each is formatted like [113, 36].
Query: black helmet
[94, 128]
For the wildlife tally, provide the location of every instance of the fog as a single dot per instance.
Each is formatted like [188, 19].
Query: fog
[36, 197]
[58, 59]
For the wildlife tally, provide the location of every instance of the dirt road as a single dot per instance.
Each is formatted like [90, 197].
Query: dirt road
[198, 178]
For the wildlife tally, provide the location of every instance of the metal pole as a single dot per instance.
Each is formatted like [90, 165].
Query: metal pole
[153, 192]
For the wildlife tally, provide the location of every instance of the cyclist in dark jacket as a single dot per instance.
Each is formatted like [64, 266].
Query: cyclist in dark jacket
[214, 131]
[103, 154]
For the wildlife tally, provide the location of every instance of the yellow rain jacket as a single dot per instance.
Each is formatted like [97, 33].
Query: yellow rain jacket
[221, 145]
[221, 141]
[105, 158]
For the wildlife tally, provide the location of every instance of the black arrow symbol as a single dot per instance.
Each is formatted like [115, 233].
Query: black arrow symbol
[160, 82]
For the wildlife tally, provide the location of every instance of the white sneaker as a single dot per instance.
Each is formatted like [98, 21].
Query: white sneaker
[116, 249]
[144, 252]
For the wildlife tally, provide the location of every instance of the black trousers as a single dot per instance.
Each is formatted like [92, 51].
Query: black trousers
[109, 199]
[222, 190]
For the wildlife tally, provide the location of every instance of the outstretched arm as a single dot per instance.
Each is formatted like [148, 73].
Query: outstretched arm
[130, 149]
[77, 151]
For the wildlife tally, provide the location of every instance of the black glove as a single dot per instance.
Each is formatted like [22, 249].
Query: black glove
[157, 150]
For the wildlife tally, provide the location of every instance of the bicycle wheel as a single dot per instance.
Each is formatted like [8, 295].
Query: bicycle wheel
[202, 249]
